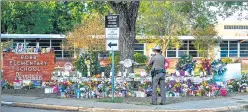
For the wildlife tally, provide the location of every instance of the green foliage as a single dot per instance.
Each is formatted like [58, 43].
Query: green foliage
[26, 17]
[116, 58]
[236, 85]
[160, 18]
[81, 65]
[227, 60]
[46, 17]
[140, 58]
[94, 63]
[116, 61]
[6, 44]
[228, 8]
[175, 43]
[205, 40]
[90, 58]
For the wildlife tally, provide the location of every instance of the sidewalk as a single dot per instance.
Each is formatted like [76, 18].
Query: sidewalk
[215, 104]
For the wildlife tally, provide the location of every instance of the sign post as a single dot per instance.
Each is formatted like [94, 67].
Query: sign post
[112, 42]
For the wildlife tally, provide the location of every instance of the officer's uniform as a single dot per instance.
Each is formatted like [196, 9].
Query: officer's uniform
[158, 64]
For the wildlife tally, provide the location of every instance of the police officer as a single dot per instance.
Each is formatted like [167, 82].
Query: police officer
[158, 73]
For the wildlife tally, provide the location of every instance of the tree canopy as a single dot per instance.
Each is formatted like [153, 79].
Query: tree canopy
[55, 17]
[89, 35]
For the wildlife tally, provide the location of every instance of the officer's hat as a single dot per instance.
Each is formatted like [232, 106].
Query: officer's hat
[157, 48]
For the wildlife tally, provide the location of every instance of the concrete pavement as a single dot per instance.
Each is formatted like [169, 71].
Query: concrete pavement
[224, 104]
[19, 109]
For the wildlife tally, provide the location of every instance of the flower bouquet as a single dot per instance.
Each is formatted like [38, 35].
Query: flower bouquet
[207, 90]
[230, 88]
[223, 91]
[243, 87]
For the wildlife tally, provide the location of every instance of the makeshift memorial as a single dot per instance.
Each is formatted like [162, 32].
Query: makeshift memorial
[185, 64]
[205, 67]
[218, 68]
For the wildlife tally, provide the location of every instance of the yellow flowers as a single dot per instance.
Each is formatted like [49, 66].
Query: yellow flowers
[204, 84]
[177, 84]
[87, 62]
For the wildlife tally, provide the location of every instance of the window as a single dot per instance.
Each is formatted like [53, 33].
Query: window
[192, 49]
[241, 27]
[182, 53]
[15, 42]
[187, 48]
[44, 43]
[139, 48]
[31, 43]
[233, 48]
[184, 45]
[58, 54]
[191, 45]
[243, 53]
[193, 53]
[244, 49]
[224, 53]
[229, 49]
[224, 49]
[171, 53]
[68, 54]
[244, 46]
[56, 44]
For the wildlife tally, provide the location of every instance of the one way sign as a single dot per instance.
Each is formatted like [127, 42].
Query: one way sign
[112, 45]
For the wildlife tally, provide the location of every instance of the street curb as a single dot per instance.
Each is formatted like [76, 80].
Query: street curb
[88, 109]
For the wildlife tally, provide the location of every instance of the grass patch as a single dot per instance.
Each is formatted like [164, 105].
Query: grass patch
[116, 100]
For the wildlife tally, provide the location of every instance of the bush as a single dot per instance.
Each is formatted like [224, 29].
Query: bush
[227, 60]
[140, 58]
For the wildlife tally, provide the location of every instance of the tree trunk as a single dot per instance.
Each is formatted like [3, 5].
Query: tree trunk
[128, 14]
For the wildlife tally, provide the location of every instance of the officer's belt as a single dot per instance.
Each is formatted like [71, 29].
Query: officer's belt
[157, 71]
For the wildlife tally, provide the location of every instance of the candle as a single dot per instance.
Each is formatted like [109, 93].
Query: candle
[102, 74]
[88, 74]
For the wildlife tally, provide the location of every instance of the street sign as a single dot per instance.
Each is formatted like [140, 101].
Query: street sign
[112, 33]
[112, 21]
[112, 41]
[112, 26]
[112, 45]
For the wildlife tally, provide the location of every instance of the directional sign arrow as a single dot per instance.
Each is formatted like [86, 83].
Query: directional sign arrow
[112, 44]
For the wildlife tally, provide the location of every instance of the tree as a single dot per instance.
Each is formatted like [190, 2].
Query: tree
[80, 65]
[205, 41]
[26, 17]
[43, 17]
[164, 19]
[225, 9]
[167, 20]
[67, 15]
[128, 11]
[6, 44]
[88, 59]
[89, 35]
